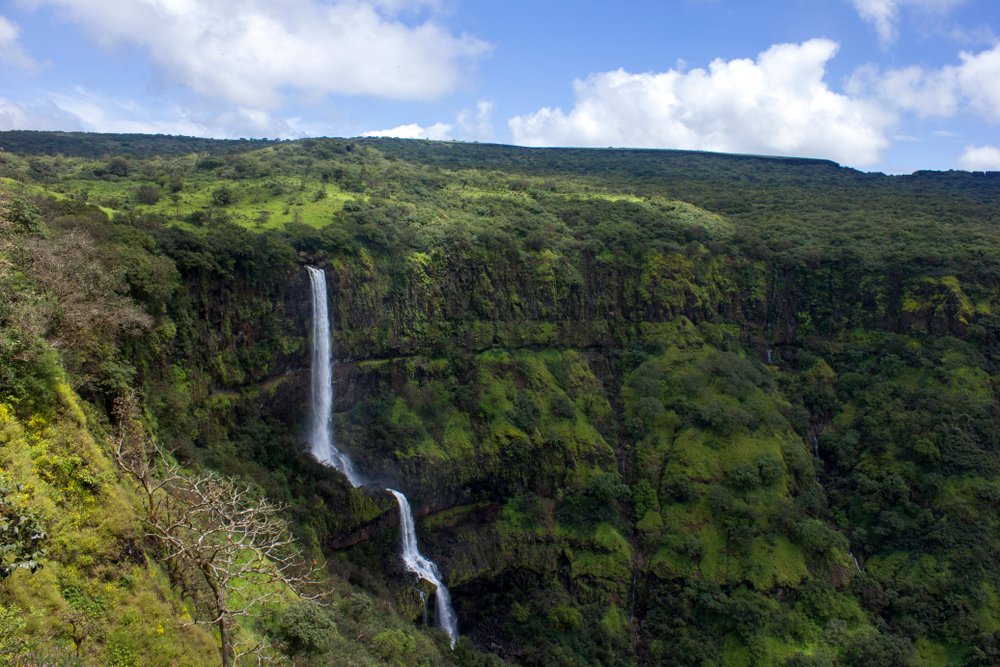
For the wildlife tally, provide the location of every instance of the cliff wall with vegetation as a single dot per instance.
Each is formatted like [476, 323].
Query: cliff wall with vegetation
[650, 407]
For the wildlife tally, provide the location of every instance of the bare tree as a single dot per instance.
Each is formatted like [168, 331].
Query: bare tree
[215, 530]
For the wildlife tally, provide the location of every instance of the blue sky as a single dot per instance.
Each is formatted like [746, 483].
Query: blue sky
[879, 85]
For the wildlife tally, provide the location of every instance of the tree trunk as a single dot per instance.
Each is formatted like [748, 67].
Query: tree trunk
[224, 636]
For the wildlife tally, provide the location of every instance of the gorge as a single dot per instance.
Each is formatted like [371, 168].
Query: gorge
[650, 407]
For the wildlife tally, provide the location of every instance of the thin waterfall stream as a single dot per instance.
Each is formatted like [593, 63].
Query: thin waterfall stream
[321, 441]
[425, 569]
[324, 449]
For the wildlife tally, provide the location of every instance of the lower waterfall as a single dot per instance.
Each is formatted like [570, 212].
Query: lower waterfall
[324, 449]
[425, 569]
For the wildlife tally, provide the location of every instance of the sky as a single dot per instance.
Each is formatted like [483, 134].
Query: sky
[877, 85]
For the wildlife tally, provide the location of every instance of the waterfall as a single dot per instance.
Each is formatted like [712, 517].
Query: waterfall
[321, 440]
[324, 448]
[425, 569]
[423, 601]
[855, 561]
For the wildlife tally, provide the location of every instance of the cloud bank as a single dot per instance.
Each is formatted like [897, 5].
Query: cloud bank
[983, 158]
[252, 53]
[11, 51]
[778, 104]
[971, 87]
[884, 14]
[19, 115]
[437, 131]
[470, 127]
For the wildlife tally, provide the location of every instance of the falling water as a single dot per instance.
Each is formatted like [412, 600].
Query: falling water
[325, 450]
[816, 446]
[855, 561]
[425, 569]
[321, 440]
[423, 601]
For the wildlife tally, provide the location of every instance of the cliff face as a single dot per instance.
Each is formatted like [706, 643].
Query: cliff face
[660, 410]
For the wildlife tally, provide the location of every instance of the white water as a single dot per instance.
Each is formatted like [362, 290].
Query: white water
[322, 444]
[855, 561]
[325, 450]
[425, 569]
[423, 601]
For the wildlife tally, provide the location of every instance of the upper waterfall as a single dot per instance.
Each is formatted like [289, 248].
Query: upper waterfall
[321, 441]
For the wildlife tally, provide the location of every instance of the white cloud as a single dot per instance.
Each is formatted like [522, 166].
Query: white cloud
[984, 158]
[884, 14]
[11, 51]
[83, 110]
[479, 128]
[251, 53]
[776, 105]
[19, 115]
[928, 93]
[972, 86]
[437, 131]
[979, 80]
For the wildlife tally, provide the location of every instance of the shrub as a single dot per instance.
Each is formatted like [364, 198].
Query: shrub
[525, 414]
[565, 619]
[680, 488]
[770, 468]
[719, 500]
[744, 477]
[644, 499]
[118, 166]
[819, 538]
[223, 196]
[741, 539]
[394, 645]
[148, 194]
[563, 408]
[306, 627]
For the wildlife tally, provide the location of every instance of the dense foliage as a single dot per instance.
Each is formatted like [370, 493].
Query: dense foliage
[653, 407]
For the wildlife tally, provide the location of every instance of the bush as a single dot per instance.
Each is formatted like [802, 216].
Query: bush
[770, 468]
[989, 492]
[118, 166]
[680, 488]
[565, 619]
[563, 408]
[741, 539]
[24, 217]
[148, 194]
[525, 414]
[644, 499]
[394, 645]
[306, 627]
[223, 196]
[819, 538]
[745, 477]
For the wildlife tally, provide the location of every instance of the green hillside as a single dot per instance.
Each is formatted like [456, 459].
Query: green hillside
[650, 407]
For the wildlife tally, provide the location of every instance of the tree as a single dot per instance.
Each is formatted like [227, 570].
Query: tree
[213, 532]
[22, 534]
[118, 166]
[148, 194]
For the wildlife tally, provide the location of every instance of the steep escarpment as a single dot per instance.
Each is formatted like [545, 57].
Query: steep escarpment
[650, 407]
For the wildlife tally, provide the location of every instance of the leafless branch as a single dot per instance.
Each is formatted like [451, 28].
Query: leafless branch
[205, 523]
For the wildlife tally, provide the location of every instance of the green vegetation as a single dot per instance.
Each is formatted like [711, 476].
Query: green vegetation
[651, 407]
